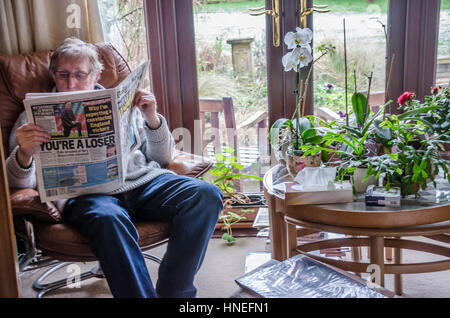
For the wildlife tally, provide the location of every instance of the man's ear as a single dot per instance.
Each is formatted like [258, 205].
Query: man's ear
[97, 77]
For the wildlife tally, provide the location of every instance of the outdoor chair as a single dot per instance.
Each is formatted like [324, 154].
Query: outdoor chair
[251, 157]
[49, 240]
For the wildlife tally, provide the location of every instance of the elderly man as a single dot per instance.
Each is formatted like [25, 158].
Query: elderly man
[150, 192]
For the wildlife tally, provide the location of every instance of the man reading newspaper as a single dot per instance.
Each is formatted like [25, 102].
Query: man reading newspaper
[149, 192]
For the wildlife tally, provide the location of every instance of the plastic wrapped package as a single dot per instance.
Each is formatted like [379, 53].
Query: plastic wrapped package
[303, 277]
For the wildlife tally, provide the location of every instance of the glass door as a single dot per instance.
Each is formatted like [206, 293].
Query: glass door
[232, 75]
[366, 47]
[443, 51]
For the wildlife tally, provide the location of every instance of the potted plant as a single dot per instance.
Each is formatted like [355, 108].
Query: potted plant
[353, 141]
[225, 172]
[415, 159]
[415, 138]
[434, 112]
[287, 136]
[291, 135]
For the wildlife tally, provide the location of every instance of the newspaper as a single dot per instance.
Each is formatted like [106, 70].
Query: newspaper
[91, 136]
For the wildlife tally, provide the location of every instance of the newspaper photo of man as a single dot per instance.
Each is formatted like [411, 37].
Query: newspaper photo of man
[69, 121]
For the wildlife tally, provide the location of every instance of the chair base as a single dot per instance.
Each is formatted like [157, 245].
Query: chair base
[95, 271]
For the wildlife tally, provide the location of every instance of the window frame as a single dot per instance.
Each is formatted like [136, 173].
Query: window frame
[412, 35]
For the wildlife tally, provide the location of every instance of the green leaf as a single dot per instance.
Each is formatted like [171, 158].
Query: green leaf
[229, 238]
[303, 124]
[238, 166]
[369, 123]
[359, 102]
[274, 132]
[383, 135]
[234, 215]
[235, 176]
[394, 156]
[423, 164]
[308, 133]
[220, 157]
[417, 111]
[228, 150]
[316, 140]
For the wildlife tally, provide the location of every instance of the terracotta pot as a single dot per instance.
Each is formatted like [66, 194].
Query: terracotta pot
[295, 161]
[358, 176]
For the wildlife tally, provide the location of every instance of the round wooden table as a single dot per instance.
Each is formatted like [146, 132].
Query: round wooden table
[374, 227]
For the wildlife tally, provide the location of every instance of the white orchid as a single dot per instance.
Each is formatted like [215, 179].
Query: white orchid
[289, 62]
[303, 55]
[302, 37]
[300, 56]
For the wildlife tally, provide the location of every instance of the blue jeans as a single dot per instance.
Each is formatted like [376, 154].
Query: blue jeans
[191, 205]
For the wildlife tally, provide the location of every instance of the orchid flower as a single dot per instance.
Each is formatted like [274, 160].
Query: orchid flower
[302, 37]
[289, 62]
[303, 55]
[300, 56]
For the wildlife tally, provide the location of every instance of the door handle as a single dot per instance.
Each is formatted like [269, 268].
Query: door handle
[275, 13]
[305, 11]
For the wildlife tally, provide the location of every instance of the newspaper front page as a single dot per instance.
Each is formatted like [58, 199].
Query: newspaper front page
[91, 136]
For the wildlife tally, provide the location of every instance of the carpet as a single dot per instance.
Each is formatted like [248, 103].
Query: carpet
[224, 263]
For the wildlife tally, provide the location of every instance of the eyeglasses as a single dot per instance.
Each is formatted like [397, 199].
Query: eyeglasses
[79, 76]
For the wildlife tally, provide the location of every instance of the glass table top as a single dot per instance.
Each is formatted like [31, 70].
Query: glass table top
[430, 197]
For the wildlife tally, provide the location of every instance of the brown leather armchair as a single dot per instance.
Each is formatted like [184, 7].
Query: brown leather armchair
[40, 222]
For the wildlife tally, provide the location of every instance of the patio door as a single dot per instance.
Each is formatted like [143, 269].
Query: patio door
[193, 46]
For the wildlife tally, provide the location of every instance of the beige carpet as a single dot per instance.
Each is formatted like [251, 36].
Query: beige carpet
[225, 263]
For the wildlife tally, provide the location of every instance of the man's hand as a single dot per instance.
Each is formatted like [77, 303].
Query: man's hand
[29, 136]
[147, 104]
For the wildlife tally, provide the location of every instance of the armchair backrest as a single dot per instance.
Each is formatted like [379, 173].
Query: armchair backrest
[29, 73]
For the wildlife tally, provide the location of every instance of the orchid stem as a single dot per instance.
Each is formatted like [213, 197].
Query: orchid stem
[345, 61]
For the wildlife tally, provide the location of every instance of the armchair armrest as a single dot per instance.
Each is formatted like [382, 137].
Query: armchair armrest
[189, 164]
[27, 201]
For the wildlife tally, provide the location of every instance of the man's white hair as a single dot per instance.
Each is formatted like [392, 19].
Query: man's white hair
[76, 48]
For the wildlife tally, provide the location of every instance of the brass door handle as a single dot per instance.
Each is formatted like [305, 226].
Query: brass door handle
[275, 13]
[269, 12]
[305, 11]
[256, 9]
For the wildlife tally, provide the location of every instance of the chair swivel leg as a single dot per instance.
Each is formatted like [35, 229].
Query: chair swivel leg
[45, 288]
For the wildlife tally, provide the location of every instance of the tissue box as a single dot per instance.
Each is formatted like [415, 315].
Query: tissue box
[294, 195]
[379, 196]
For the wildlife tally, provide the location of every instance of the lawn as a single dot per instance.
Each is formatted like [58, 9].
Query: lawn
[334, 5]
[340, 6]
[242, 6]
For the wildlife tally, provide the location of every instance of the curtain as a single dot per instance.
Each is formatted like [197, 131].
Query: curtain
[37, 25]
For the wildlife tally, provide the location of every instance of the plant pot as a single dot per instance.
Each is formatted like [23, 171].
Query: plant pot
[358, 175]
[408, 189]
[295, 161]
[257, 200]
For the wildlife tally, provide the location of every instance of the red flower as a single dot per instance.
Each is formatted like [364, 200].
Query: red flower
[406, 96]
[435, 90]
